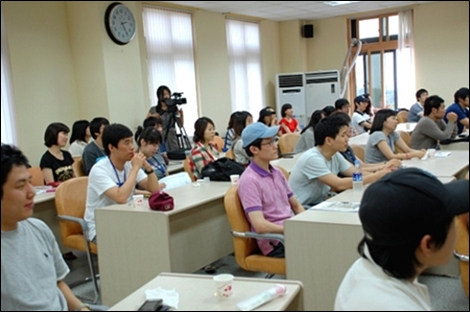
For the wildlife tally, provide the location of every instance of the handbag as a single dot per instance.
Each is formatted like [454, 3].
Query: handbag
[161, 201]
[222, 169]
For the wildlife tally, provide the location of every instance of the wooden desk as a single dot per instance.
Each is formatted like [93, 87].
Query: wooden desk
[137, 244]
[455, 165]
[196, 293]
[406, 126]
[287, 163]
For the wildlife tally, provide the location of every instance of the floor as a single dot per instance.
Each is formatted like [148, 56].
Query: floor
[446, 292]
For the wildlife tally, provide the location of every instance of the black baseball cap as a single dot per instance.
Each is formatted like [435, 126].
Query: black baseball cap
[266, 112]
[361, 98]
[405, 205]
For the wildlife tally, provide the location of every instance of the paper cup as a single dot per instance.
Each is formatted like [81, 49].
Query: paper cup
[207, 179]
[234, 178]
[138, 200]
[431, 152]
[223, 286]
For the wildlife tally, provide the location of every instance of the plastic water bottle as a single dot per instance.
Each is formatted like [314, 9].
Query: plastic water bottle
[358, 185]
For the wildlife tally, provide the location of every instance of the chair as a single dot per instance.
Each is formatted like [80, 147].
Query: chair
[287, 143]
[188, 169]
[402, 116]
[406, 137]
[37, 179]
[229, 154]
[358, 151]
[461, 248]
[284, 172]
[219, 143]
[78, 167]
[70, 202]
[247, 253]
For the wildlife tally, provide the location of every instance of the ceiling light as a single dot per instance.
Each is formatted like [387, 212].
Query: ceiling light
[337, 3]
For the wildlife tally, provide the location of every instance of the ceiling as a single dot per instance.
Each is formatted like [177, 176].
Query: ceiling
[293, 10]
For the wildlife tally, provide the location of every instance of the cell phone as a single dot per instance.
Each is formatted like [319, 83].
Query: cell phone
[151, 305]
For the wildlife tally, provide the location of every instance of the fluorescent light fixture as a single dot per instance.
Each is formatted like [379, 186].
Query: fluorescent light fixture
[337, 3]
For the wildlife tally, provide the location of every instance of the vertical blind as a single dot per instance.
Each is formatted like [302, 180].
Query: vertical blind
[244, 51]
[170, 57]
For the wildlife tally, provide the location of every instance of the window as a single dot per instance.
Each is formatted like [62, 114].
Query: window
[170, 56]
[382, 60]
[244, 52]
[8, 121]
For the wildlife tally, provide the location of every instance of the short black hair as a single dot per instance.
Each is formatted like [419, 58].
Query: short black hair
[434, 101]
[420, 92]
[284, 108]
[152, 121]
[379, 119]
[461, 93]
[150, 135]
[256, 143]
[339, 103]
[328, 127]
[328, 110]
[342, 115]
[114, 133]
[96, 124]
[79, 130]
[52, 131]
[11, 156]
[200, 127]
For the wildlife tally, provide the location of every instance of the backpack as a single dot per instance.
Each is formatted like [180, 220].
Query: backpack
[221, 169]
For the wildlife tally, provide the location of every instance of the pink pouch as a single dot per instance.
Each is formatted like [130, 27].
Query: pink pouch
[161, 201]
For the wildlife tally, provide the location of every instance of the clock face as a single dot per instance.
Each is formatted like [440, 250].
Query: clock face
[120, 23]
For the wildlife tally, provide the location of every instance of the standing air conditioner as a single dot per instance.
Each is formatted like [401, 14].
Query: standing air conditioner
[290, 89]
[321, 89]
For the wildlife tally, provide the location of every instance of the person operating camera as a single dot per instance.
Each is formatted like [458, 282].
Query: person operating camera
[169, 115]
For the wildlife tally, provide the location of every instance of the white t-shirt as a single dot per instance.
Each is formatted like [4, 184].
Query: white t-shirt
[366, 287]
[357, 119]
[76, 148]
[303, 180]
[103, 177]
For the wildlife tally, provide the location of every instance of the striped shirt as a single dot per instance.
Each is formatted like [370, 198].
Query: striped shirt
[200, 157]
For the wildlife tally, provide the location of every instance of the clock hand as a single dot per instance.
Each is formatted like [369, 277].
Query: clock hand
[122, 23]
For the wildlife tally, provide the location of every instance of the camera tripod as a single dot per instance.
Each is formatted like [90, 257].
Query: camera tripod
[182, 137]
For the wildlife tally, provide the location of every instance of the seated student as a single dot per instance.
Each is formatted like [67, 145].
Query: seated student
[95, 150]
[33, 270]
[80, 137]
[361, 118]
[407, 219]
[316, 171]
[288, 123]
[342, 105]
[328, 110]
[230, 135]
[264, 192]
[113, 179]
[157, 123]
[148, 141]
[350, 156]
[56, 163]
[460, 107]
[383, 139]
[417, 110]
[431, 128]
[307, 139]
[241, 121]
[204, 152]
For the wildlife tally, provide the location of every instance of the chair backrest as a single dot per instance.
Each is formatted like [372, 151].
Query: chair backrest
[78, 167]
[188, 169]
[229, 154]
[284, 172]
[406, 137]
[287, 142]
[37, 178]
[359, 151]
[70, 200]
[219, 143]
[247, 253]
[466, 176]
[461, 246]
[402, 116]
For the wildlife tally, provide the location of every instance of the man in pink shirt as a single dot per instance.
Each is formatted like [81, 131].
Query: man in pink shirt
[264, 192]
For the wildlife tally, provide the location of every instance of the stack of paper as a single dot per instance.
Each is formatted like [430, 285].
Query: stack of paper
[338, 206]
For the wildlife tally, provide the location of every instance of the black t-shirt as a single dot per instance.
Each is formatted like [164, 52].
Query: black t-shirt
[61, 169]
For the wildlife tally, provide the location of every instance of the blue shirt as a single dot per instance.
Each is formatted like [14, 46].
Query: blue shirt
[414, 111]
[461, 114]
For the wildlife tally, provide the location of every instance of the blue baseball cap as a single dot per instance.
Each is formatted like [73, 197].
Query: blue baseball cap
[257, 130]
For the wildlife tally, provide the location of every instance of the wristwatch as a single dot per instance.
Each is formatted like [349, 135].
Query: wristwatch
[148, 171]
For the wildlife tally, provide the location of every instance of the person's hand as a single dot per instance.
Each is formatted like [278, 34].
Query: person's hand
[138, 161]
[161, 186]
[393, 164]
[420, 154]
[451, 116]
[382, 172]
[274, 121]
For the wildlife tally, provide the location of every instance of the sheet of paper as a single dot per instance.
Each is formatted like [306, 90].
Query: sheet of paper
[338, 206]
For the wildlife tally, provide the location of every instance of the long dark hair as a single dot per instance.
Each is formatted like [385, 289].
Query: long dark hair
[79, 130]
[160, 92]
[314, 119]
[200, 127]
[379, 119]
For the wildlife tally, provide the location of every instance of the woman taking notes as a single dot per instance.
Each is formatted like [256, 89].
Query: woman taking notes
[383, 139]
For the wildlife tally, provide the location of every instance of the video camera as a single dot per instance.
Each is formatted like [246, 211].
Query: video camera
[175, 99]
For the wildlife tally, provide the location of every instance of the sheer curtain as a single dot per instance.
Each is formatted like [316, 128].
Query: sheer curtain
[244, 52]
[405, 61]
[170, 57]
[8, 120]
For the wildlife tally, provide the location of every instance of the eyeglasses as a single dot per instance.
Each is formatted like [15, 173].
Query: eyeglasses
[271, 142]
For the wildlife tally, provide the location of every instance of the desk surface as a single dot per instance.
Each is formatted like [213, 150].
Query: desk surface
[196, 293]
[175, 166]
[44, 197]
[455, 164]
[406, 126]
[360, 139]
[287, 163]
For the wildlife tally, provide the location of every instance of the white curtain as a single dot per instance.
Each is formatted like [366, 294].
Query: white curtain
[8, 120]
[170, 57]
[406, 78]
[244, 52]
